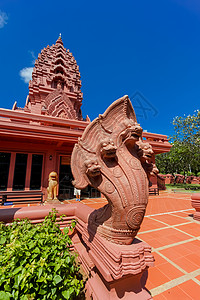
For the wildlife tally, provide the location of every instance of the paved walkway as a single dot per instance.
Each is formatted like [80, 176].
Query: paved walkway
[169, 228]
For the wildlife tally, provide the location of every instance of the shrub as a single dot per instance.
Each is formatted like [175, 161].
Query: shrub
[36, 263]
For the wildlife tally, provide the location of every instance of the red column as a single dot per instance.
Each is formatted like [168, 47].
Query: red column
[11, 171]
[28, 172]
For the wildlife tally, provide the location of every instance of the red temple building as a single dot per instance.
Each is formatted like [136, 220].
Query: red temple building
[39, 138]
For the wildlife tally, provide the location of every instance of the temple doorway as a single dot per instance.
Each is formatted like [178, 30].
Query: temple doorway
[66, 188]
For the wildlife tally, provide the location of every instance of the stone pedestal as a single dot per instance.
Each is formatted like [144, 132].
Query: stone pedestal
[114, 271]
[196, 204]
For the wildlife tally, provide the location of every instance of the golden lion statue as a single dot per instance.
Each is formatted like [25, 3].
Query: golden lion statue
[52, 189]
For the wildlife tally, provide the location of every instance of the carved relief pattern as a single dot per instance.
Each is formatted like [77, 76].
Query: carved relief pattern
[109, 157]
[58, 103]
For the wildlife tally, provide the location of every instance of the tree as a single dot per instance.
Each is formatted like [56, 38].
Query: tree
[184, 155]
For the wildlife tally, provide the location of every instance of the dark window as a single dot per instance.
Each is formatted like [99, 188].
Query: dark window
[20, 171]
[36, 172]
[4, 169]
[59, 71]
[66, 189]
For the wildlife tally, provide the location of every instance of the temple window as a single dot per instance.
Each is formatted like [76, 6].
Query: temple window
[55, 83]
[4, 169]
[59, 62]
[36, 172]
[61, 56]
[20, 171]
[59, 71]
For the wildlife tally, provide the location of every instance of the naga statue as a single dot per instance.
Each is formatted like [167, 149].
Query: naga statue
[112, 157]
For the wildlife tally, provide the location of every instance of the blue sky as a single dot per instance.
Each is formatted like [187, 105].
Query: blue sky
[149, 50]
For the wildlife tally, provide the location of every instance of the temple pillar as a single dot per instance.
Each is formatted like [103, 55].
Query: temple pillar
[11, 171]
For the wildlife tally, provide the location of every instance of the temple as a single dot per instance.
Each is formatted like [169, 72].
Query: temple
[40, 137]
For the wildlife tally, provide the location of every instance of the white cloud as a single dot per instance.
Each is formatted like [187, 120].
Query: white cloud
[3, 19]
[26, 74]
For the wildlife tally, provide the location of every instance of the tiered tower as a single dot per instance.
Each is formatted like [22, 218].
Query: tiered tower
[55, 88]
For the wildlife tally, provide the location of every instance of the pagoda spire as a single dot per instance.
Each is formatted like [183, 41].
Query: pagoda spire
[59, 40]
[55, 88]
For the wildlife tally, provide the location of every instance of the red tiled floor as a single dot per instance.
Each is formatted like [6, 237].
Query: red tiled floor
[155, 278]
[159, 276]
[149, 224]
[186, 264]
[181, 250]
[170, 219]
[170, 271]
[198, 277]
[159, 297]
[159, 260]
[184, 214]
[175, 294]
[191, 288]
[192, 228]
[168, 202]
[184, 256]
[163, 237]
[161, 273]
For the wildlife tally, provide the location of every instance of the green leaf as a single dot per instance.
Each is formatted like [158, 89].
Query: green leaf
[57, 279]
[66, 294]
[40, 272]
[2, 240]
[53, 291]
[66, 230]
[73, 224]
[5, 295]
[17, 270]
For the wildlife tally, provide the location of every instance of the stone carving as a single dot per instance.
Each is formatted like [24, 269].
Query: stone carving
[112, 158]
[52, 189]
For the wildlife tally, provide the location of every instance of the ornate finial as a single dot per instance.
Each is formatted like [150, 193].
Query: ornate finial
[59, 40]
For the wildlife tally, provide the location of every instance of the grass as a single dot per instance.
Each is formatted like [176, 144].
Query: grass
[185, 186]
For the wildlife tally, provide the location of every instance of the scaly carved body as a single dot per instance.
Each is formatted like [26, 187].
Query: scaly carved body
[108, 158]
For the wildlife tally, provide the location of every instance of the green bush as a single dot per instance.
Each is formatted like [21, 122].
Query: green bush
[194, 187]
[36, 263]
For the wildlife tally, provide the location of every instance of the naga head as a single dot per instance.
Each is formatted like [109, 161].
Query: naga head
[132, 133]
[145, 151]
[108, 148]
[92, 167]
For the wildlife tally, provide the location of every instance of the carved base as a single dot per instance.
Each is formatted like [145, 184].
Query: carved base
[127, 288]
[118, 236]
[114, 270]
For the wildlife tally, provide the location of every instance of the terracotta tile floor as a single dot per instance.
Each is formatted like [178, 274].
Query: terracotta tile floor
[169, 228]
